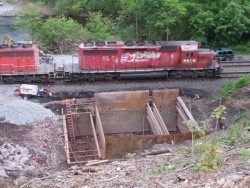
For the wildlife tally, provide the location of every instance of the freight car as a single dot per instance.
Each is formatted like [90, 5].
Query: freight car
[113, 60]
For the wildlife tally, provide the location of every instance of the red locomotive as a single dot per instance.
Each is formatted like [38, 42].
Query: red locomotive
[18, 58]
[112, 60]
[148, 59]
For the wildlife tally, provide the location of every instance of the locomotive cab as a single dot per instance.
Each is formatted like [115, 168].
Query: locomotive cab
[189, 54]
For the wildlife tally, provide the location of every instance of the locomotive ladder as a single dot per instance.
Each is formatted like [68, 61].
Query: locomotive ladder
[70, 123]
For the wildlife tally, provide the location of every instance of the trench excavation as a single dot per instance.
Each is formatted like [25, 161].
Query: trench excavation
[113, 124]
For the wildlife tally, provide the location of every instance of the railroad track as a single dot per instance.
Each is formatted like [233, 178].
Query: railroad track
[235, 63]
[235, 69]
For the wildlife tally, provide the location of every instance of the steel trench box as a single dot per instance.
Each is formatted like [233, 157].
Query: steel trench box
[121, 122]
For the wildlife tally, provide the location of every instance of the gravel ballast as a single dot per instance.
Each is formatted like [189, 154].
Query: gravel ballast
[22, 112]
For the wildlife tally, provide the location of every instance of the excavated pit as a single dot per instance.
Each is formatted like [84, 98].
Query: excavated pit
[113, 124]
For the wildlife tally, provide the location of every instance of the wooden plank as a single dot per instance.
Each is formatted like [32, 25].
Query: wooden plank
[182, 126]
[66, 141]
[151, 125]
[187, 112]
[95, 137]
[100, 132]
[154, 120]
[182, 112]
[163, 125]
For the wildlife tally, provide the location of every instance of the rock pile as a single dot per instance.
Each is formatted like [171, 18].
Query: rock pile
[22, 112]
[14, 158]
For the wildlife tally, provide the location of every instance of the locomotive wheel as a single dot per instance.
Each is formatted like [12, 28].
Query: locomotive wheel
[195, 74]
[91, 78]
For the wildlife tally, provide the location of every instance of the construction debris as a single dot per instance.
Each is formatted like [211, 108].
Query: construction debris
[14, 158]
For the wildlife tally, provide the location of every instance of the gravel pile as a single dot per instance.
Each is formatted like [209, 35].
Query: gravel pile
[22, 112]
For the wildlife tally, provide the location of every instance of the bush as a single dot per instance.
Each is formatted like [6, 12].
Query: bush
[233, 134]
[226, 90]
[242, 82]
[242, 48]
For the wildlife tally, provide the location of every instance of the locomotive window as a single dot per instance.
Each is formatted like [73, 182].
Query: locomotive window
[100, 52]
[16, 54]
[189, 54]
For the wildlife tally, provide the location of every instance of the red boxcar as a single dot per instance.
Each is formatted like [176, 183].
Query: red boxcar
[120, 56]
[23, 58]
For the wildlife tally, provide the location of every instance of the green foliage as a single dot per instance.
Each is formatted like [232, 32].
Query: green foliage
[105, 6]
[67, 6]
[240, 116]
[201, 24]
[218, 112]
[242, 48]
[130, 155]
[208, 157]
[244, 153]
[99, 27]
[228, 89]
[185, 149]
[29, 20]
[242, 82]
[56, 30]
[231, 24]
[233, 134]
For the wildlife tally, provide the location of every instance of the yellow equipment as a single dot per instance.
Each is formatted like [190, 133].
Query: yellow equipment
[8, 40]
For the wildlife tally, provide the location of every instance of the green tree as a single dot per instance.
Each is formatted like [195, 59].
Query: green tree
[29, 20]
[69, 7]
[57, 30]
[202, 23]
[152, 19]
[100, 28]
[231, 24]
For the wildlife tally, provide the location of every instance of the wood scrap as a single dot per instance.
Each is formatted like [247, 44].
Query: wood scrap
[96, 162]
[157, 152]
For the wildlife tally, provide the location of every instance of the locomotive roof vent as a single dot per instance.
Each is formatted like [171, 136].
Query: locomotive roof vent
[100, 44]
[111, 42]
[88, 44]
[140, 43]
[129, 43]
